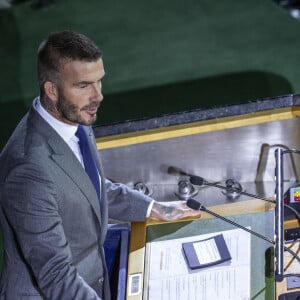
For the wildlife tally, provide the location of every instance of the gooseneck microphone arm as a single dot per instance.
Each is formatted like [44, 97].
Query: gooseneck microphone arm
[193, 204]
[196, 180]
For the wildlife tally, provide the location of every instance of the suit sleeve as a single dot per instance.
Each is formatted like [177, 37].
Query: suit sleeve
[126, 204]
[32, 211]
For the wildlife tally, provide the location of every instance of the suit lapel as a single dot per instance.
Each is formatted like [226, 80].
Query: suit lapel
[71, 166]
[104, 203]
[63, 156]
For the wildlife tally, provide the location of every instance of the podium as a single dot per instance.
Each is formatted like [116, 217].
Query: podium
[251, 214]
[234, 142]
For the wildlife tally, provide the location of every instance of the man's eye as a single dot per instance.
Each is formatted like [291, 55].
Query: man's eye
[83, 86]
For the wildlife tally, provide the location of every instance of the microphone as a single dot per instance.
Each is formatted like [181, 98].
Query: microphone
[177, 171]
[193, 204]
[197, 180]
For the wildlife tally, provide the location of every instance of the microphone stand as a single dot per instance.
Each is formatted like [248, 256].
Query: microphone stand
[279, 211]
[279, 214]
[279, 235]
[194, 204]
[230, 189]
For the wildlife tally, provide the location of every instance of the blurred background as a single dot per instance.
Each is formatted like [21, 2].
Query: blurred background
[160, 57]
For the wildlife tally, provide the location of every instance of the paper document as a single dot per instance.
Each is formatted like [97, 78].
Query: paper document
[207, 251]
[167, 276]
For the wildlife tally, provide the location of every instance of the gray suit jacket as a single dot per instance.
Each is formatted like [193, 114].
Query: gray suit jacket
[51, 220]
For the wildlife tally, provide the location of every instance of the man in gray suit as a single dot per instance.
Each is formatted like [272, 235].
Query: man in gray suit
[53, 222]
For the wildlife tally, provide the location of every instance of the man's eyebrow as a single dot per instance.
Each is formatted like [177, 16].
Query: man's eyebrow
[83, 82]
[88, 81]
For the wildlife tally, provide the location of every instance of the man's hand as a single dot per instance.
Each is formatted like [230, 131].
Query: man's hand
[170, 212]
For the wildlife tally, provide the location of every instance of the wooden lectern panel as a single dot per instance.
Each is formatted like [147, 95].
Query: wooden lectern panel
[261, 215]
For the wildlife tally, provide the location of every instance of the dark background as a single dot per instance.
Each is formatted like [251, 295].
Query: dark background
[160, 57]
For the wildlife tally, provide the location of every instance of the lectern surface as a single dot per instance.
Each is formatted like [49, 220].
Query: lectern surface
[262, 285]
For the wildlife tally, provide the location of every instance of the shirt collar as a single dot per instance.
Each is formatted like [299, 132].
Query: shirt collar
[66, 131]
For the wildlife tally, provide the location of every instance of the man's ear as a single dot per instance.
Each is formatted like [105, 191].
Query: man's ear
[51, 90]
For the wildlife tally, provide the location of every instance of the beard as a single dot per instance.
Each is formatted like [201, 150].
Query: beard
[72, 113]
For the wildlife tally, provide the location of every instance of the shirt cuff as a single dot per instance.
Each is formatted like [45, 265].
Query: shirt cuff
[150, 208]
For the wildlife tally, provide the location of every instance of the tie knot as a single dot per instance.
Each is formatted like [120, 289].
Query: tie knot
[80, 133]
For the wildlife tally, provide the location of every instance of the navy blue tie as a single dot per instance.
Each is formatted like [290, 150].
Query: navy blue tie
[88, 159]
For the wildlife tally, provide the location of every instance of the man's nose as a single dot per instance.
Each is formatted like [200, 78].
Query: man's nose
[97, 92]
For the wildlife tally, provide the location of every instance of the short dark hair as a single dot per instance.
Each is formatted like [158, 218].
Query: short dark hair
[60, 47]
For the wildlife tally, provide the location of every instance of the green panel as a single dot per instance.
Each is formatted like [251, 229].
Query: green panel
[160, 56]
[262, 252]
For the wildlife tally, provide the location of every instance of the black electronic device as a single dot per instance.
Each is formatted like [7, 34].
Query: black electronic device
[291, 198]
[290, 296]
[292, 234]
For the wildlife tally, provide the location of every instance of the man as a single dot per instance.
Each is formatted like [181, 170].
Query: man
[53, 220]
